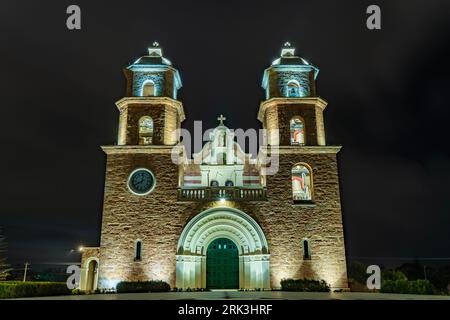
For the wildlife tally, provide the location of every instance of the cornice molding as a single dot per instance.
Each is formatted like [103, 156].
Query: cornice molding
[140, 149]
[124, 102]
[273, 102]
[300, 149]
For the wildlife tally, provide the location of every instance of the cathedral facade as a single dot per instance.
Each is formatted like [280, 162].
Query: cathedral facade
[220, 219]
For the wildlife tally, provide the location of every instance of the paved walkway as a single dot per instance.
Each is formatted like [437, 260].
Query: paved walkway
[236, 295]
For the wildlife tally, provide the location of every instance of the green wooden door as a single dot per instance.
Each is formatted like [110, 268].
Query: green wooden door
[222, 265]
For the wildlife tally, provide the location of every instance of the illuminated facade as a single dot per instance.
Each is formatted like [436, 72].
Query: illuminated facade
[219, 220]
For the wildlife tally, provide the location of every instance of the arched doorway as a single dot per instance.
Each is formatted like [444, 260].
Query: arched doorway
[222, 265]
[91, 276]
[222, 223]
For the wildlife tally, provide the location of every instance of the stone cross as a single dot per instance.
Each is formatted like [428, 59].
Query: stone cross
[221, 118]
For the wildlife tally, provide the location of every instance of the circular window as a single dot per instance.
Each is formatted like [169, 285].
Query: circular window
[141, 182]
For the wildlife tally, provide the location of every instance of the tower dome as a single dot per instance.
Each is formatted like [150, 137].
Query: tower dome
[153, 75]
[288, 57]
[290, 76]
[153, 58]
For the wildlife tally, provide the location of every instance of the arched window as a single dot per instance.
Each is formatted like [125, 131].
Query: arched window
[306, 250]
[148, 89]
[221, 158]
[214, 183]
[293, 89]
[229, 183]
[145, 130]
[301, 183]
[138, 250]
[297, 131]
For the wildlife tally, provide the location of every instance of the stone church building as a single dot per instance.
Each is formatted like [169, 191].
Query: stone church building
[219, 218]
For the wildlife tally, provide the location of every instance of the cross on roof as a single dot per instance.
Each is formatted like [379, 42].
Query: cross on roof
[221, 118]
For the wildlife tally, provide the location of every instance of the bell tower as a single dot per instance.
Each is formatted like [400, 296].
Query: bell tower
[292, 113]
[303, 181]
[150, 113]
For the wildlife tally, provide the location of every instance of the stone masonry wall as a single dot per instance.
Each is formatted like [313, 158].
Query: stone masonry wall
[158, 220]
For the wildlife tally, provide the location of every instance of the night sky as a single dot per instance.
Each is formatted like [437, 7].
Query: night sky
[387, 93]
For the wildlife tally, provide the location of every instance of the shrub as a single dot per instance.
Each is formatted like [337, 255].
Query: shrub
[17, 289]
[306, 285]
[78, 292]
[357, 271]
[421, 286]
[142, 286]
[407, 287]
[393, 275]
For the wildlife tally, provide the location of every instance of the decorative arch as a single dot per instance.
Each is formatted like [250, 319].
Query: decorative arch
[89, 274]
[229, 223]
[302, 183]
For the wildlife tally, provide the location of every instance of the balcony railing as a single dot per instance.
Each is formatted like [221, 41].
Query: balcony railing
[219, 193]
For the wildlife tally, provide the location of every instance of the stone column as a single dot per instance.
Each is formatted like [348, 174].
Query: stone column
[83, 277]
[265, 272]
[203, 264]
[230, 149]
[241, 273]
[179, 272]
[247, 272]
[198, 272]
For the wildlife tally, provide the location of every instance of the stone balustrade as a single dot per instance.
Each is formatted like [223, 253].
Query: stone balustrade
[222, 193]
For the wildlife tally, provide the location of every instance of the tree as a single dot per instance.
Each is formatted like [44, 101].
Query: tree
[5, 268]
[393, 275]
[357, 272]
[413, 271]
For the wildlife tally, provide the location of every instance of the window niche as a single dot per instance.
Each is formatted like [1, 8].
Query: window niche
[306, 249]
[297, 126]
[293, 89]
[302, 184]
[145, 130]
[148, 89]
[138, 250]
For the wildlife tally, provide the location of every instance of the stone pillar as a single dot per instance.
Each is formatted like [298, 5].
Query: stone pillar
[247, 272]
[83, 277]
[203, 270]
[241, 273]
[320, 127]
[230, 150]
[265, 271]
[198, 272]
[179, 272]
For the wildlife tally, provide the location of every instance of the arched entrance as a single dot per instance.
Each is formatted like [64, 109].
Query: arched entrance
[222, 265]
[91, 276]
[218, 223]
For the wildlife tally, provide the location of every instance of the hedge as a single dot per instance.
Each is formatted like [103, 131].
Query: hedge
[407, 287]
[304, 285]
[142, 286]
[18, 289]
